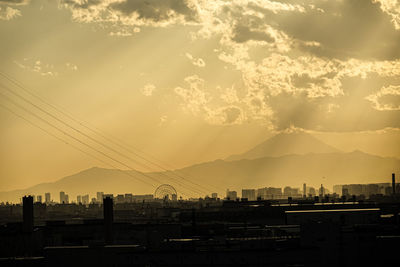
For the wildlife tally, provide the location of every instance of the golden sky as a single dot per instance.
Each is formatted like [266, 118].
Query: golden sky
[192, 80]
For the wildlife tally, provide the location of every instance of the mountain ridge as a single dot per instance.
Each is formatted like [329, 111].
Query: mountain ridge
[292, 170]
[286, 143]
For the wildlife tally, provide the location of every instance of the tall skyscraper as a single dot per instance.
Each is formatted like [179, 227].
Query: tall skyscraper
[85, 200]
[62, 197]
[47, 198]
[311, 191]
[39, 199]
[99, 197]
[304, 190]
[321, 191]
[79, 199]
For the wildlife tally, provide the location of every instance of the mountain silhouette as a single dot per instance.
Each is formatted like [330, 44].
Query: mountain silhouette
[286, 143]
[292, 170]
[88, 181]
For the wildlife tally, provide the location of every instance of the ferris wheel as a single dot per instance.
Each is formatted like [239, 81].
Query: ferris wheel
[165, 192]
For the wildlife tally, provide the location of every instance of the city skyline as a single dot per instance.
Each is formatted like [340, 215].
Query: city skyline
[248, 194]
[199, 133]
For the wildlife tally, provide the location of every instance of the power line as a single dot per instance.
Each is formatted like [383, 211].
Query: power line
[65, 142]
[99, 133]
[67, 134]
[69, 126]
[74, 138]
[89, 137]
[77, 148]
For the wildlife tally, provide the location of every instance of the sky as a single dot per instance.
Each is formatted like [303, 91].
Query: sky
[189, 81]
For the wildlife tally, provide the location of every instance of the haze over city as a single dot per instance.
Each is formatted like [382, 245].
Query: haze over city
[198, 87]
[199, 133]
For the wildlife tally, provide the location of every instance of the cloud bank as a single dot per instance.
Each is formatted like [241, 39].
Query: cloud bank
[319, 65]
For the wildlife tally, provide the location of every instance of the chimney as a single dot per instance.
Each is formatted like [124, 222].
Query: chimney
[393, 183]
[194, 225]
[27, 213]
[108, 219]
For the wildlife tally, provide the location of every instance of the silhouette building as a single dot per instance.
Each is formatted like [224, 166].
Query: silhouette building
[120, 198]
[345, 192]
[393, 184]
[64, 199]
[108, 213]
[128, 198]
[311, 191]
[47, 198]
[85, 199]
[232, 195]
[99, 197]
[291, 192]
[269, 193]
[222, 233]
[250, 194]
[27, 213]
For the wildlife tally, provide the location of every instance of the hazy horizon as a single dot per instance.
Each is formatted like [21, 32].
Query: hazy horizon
[192, 81]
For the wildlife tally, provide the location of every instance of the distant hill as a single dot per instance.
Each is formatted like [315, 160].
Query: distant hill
[337, 168]
[293, 170]
[88, 181]
[286, 144]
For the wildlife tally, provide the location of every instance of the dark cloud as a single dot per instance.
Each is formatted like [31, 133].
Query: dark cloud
[243, 34]
[232, 114]
[389, 101]
[246, 27]
[156, 10]
[349, 112]
[143, 11]
[83, 4]
[14, 2]
[294, 110]
[304, 80]
[350, 28]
